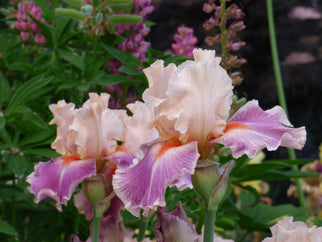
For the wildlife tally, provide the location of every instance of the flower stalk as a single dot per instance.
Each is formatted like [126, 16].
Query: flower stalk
[210, 217]
[144, 222]
[280, 89]
[223, 29]
[96, 228]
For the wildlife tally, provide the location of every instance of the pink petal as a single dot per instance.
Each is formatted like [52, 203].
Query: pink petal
[287, 230]
[251, 129]
[59, 178]
[64, 143]
[198, 101]
[91, 131]
[174, 226]
[97, 128]
[143, 186]
[137, 128]
[158, 77]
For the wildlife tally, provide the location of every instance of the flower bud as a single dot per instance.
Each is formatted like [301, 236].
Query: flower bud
[210, 181]
[87, 9]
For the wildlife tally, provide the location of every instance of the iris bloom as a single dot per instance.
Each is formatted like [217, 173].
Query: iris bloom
[85, 136]
[190, 107]
[288, 231]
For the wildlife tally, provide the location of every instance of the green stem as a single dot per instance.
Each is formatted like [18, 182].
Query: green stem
[143, 226]
[95, 45]
[223, 30]
[13, 222]
[280, 89]
[96, 229]
[210, 217]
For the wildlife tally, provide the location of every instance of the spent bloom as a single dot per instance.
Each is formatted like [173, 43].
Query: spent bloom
[185, 41]
[30, 31]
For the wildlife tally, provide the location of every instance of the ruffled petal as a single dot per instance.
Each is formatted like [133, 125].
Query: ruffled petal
[158, 77]
[59, 178]
[137, 128]
[143, 186]
[97, 128]
[64, 143]
[251, 129]
[198, 100]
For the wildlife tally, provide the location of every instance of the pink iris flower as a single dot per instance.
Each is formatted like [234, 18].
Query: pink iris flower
[190, 107]
[85, 136]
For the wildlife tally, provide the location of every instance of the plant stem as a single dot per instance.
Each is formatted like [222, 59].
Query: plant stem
[96, 228]
[143, 226]
[280, 89]
[223, 29]
[210, 217]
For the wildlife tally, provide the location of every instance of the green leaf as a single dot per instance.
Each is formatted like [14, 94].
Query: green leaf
[2, 122]
[9, 191]
[6, 228]
[47, 11]
[133, 71]
[1, 91]
[25, 92]
[42, 61]
[41, 136]
[17, 164]
[46, 30]
[274, 175]
[62, 27]
[124, 57]
[114, 79]
[47, 153]
[72, 58]
[28, 121]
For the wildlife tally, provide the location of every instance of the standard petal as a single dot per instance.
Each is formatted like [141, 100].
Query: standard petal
[97, 128]
[251, 129]
[64, 143]
[158, 77]
[198, 102]
[59, 178]
[143, 186]
[137, 128]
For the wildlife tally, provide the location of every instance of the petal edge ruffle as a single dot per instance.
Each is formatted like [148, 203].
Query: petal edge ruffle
[251, 129]
[143, 186]
[58, 180]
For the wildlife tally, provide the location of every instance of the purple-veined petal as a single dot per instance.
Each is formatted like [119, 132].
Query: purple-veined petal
[143, 186]
[182, 182]
[122, 159]
[174, 226]
[251, 129]
[59, 178]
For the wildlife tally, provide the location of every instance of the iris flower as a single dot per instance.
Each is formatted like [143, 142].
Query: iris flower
[85, 136]
[190, 107]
